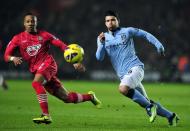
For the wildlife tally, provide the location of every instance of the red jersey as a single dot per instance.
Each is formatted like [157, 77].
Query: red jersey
[34, 47]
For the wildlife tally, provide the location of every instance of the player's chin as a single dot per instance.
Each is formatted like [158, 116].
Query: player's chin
[30, 29]
[111, 28]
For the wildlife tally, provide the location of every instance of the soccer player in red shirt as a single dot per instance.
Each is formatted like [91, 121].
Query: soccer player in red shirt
[34, 46]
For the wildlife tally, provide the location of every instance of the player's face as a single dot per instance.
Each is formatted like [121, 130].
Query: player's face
[111, 22]
[30, 23]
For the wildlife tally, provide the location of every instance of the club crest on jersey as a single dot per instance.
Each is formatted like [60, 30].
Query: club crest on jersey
[123, 36]
[33, 50]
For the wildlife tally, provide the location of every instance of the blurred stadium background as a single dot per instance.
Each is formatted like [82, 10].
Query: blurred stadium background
[80, 21]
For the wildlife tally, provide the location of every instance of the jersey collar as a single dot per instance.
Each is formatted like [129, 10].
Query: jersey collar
[114, 32]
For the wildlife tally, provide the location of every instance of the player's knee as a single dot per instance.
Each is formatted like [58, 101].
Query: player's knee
[38, 87]
[123, 90]
[127, 91]
[36, 84]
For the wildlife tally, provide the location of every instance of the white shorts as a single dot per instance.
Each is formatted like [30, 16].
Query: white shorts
[133, 78]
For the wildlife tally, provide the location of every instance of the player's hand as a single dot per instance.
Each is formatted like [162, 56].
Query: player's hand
[80, 67]
[17, 60]
[161, 51]
[101, 37]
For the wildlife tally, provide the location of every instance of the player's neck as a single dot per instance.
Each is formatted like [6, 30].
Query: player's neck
[32, 32]
[114, 30]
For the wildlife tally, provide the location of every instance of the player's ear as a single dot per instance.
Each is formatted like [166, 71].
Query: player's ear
[24, 23]
[105, 23]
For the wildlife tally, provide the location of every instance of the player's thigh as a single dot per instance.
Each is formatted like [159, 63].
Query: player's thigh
[48, 69]
[39, 77]
[133, 78]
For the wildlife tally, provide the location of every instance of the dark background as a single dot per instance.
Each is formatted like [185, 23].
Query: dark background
[80, 21]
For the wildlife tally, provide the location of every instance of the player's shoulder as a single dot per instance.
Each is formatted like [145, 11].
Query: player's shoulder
[47, 35]
[130, 30]
[127, 28]
[43, 32]
[17, 36]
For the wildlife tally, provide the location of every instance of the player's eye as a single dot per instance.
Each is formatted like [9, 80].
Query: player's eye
[113, 20]
[28, 21]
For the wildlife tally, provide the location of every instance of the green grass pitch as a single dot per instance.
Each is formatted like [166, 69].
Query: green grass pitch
[19, 105]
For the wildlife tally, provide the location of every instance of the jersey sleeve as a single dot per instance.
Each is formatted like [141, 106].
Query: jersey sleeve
[146, 35]
[10, 48]
[58, 43]
[100, 52]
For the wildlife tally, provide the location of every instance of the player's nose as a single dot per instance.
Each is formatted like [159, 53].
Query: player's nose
[30, 23]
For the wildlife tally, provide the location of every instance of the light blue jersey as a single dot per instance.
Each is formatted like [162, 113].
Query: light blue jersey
[120, 48]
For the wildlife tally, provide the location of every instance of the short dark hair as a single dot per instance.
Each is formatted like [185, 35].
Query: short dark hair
[29, 13]
[111, 13]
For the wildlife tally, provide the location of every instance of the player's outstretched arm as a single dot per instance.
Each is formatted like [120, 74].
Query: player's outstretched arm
[57, 42]
[149, 37]
[9, 51]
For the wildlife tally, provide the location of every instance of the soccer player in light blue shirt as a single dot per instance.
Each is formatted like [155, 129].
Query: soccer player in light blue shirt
[117, 43]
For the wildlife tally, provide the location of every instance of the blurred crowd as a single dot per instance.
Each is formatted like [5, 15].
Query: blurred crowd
[80, 21]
